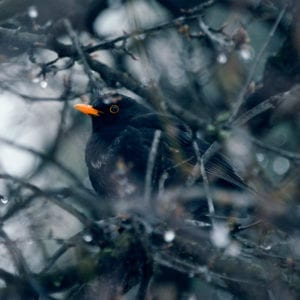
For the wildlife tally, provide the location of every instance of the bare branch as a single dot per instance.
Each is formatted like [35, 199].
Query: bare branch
[97, 84]
[241, 97]
[270, 103]
[46, 157]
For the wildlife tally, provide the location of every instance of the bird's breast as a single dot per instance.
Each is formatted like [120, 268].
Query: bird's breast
[115, 166]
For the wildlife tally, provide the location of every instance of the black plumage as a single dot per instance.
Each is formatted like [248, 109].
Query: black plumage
[118, 150]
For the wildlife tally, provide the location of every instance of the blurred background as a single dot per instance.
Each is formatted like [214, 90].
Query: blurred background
[200, 57]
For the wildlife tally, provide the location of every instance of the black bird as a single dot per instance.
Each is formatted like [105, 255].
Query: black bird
[117, 152]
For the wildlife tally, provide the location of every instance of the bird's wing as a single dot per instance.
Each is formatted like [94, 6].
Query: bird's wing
[178, 139]
[178, 133]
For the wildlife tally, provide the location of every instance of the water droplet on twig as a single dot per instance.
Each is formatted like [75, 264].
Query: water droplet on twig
[169, 236]
[222, 58]
[44, 84]
[281, 165]
[36, 80]
[87, 237]
[260, 157]
[3, 200]
[33, 12]
[246, 53]
[220, 235]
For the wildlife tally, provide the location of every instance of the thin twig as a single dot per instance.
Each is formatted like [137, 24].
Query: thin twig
[52, 148]
[63, 249]
[247, 226]
[196, 171]
[270, 103]
[200, 166]
[27, 40]
[209, 199]
[46, 157]
[177, 22]
[60, 251]
[56, 200]
[62, 98]
[198, 8]
[211, 151]
[281, 152]
[9, 278]
[221, 43]
[97, 84]
[241, 97]
[196, 223]
[193, 120]
[145, 282]
[21, 264]
[150, 165]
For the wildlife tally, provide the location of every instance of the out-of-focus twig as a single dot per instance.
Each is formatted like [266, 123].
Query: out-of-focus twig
[71, 242]
[46, 157]
[150, 165]
[21, 264]
[177, 22]
[241, 97]
[270, 103]
[79, 215]
[96, 83]
[284, 153]
[62, 98]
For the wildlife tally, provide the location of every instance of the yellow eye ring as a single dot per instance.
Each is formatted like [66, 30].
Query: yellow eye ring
[114, 109]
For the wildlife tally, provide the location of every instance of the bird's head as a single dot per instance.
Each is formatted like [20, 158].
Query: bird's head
[111, 110]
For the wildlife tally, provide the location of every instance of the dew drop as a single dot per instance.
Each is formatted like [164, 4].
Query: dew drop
[36, 80]
[57, 283]
[61, 196]
[268, 247]
[129, 189]
[3, 200]
[233, 249]
[222, 59]
[247, 53]
[220, 235]
[169, 236]
[107, 101]
[33, 12]
[281, 165]
[87, 237]
[44, 84]
[260, 157]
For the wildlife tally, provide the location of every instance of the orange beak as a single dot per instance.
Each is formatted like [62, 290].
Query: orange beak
[88, 109]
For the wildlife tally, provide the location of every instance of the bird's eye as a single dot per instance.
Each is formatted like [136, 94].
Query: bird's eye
[114, 109]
